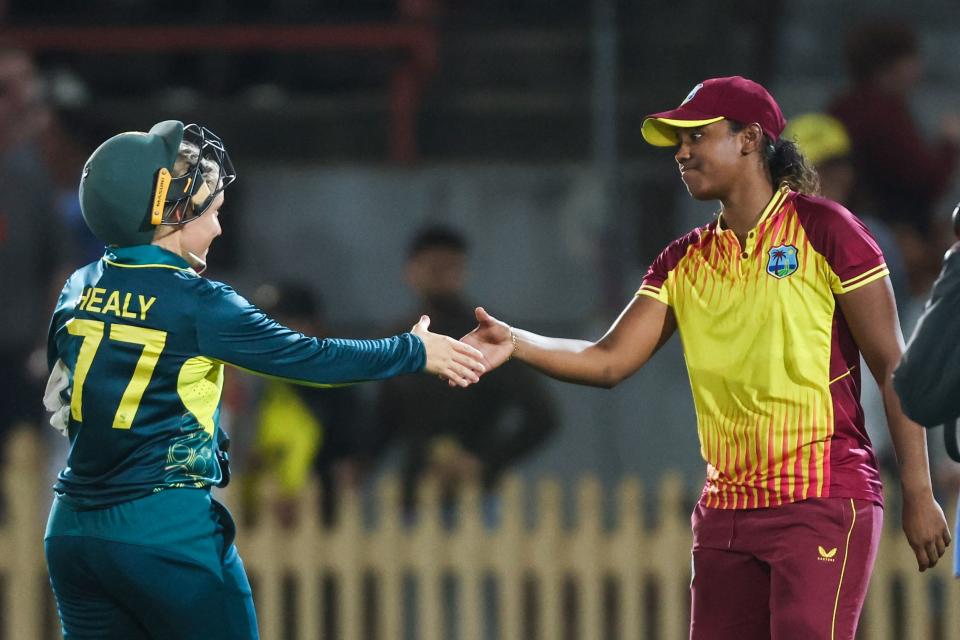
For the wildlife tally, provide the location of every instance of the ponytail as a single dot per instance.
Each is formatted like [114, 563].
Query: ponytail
[786, 164]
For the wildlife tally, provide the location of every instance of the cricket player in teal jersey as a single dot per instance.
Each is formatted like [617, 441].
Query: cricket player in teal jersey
[136, 546]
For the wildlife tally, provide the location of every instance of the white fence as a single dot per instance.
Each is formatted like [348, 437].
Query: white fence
[553, 580]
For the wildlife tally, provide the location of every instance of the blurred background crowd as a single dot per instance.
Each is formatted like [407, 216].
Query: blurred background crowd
[399, 157]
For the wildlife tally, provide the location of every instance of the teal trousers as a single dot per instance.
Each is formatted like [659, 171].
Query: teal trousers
[162, 567]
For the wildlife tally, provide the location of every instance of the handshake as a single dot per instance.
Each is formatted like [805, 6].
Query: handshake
[462, 362]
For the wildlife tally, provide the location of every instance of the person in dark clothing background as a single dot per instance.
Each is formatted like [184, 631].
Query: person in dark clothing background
[454, 435]
[34, 248]
[901, 176]
[928, 376]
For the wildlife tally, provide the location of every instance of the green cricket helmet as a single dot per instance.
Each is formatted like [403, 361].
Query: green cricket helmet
[127, 188]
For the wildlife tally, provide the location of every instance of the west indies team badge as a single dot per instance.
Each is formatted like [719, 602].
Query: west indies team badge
[783, 261]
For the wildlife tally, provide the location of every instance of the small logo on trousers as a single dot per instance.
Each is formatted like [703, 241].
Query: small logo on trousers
[827, 556]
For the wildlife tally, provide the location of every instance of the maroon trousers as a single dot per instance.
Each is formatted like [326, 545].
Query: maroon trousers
[800, 570]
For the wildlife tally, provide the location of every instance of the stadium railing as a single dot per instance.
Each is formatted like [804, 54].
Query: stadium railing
[417, 40]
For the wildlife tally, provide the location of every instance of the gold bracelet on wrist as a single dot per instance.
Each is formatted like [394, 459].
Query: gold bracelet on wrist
[516, 344]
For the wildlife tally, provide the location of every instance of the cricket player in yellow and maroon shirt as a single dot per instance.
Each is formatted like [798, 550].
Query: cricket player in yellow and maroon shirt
[773, 366]
[774, 301]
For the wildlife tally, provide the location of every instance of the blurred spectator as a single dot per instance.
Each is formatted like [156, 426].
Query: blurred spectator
[293, 432]
[66, 146]
[824, 142]
[33, 245]
[500, 421]
[900, 175]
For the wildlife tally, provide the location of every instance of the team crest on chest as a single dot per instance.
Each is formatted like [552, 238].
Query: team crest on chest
[783, 261]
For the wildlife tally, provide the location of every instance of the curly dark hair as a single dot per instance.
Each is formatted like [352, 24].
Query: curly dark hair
[786, 164]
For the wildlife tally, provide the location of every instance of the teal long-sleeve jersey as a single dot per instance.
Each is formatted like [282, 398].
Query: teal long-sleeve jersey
[144, 340]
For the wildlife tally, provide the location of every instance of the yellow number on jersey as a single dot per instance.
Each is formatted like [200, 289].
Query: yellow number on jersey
[153, 342]
[92, 333]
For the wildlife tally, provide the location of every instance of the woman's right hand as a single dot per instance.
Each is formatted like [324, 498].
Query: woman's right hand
[492, 337]
[450, 359]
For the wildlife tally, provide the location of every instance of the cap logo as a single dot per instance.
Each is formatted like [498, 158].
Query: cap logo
[692, 93]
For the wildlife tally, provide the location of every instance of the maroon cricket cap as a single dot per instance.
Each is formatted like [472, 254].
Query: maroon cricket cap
[733, 98]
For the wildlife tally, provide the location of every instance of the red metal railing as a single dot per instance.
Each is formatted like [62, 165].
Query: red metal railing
[418, 41]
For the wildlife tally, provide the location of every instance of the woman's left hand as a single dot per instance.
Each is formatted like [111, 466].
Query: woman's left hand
[926, 528]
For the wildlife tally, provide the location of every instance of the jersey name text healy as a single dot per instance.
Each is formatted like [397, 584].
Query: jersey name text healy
[98, 300]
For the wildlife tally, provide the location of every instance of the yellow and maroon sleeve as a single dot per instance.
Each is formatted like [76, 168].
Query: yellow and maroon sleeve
[655, 282]
[853, 255]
